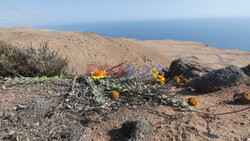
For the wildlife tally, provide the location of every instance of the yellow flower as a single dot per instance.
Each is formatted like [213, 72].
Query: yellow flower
[154, 71]
[192, 101]
[138, 67]
[98, 74]
[177, 80]
[160, 79]
[162, 82]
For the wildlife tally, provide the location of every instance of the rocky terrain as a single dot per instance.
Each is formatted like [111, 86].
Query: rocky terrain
[65, 109]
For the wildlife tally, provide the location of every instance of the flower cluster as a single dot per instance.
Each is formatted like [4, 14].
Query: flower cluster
[138, 67]
[158, 78]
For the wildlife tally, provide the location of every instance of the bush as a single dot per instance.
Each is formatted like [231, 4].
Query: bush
[28, 62]
[136, 130]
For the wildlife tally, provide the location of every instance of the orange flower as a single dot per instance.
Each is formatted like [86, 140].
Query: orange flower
[192, 101]
[243, 98]
[177, 80]
[246, 95]
[114, 95]
[98, 74]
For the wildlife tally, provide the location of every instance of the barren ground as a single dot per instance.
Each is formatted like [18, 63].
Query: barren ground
[166, 123]
[82, 48]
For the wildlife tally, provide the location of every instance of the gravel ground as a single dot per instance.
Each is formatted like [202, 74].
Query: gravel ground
[37, 112]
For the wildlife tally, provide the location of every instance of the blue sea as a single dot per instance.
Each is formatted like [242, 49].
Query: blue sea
[224, 33]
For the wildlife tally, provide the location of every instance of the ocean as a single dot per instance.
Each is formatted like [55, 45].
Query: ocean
[224, 33]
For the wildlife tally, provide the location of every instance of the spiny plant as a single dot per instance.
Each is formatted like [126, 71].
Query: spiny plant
[27, 62]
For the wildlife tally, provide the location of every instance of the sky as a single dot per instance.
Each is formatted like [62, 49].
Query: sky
[53, 12]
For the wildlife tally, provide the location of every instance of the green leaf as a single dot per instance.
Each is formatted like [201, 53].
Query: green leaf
[125, 90]
[108, 88]
[191, 107]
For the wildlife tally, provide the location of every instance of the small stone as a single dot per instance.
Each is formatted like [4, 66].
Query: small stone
[21, 107]
[11, 132]
[15, 108]
[160, 126]
[50, 92]
[242, 123]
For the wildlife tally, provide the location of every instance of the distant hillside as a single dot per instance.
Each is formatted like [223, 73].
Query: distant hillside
[215, 58]
[83, 48]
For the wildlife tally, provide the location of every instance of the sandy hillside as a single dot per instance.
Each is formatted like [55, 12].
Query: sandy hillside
[83, 48]
[213, 57]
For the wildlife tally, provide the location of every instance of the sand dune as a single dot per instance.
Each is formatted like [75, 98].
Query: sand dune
[83, 48]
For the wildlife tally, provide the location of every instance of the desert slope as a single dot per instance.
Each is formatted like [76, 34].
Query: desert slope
[213, 57]
[83, 48]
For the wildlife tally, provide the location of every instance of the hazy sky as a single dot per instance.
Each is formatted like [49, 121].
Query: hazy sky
[47, 12]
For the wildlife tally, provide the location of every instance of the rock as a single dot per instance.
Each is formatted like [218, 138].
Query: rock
[166, 71]
[136, 130]
[246, 70]
[221, 78]
[188, 68]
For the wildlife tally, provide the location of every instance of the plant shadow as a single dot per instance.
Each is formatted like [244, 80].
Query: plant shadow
[189, 92]
[116, 135]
